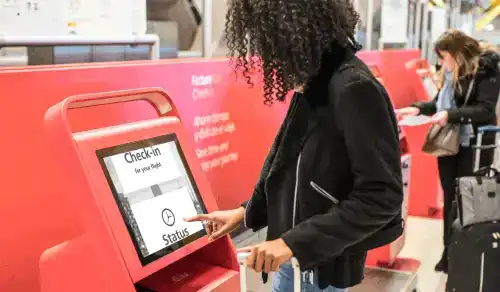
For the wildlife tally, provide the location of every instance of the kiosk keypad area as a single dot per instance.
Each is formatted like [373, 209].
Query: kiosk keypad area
[130, 188]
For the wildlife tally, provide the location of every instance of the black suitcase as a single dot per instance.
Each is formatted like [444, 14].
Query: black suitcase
[474, 258]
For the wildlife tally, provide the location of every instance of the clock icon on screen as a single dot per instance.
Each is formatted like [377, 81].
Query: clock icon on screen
[168, 217]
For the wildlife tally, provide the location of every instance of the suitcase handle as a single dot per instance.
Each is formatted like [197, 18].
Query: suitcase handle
[479, 141]
[488, 128]
[242, 258]
[485, 171]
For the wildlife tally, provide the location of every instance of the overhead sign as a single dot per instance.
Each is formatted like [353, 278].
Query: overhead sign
[394, 29]
[72, 17]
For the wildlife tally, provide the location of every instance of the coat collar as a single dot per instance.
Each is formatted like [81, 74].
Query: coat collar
[488, 64]
[298, 123]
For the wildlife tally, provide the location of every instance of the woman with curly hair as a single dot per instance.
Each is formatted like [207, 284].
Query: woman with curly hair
[330, 188]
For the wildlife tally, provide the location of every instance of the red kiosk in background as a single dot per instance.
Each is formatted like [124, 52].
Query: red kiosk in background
[376, 72]
[130, 186]
[426, 194]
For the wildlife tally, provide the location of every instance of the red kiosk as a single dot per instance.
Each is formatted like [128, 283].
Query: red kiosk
[427, 197]
[130, 186]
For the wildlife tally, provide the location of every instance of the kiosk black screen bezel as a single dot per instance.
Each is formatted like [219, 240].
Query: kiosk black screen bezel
[122, 148]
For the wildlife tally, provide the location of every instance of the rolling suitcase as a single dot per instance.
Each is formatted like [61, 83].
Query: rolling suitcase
[474, 250]
[474, 258]
[243, 273]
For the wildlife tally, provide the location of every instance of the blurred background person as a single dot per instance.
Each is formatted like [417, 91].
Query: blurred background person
[463, 60]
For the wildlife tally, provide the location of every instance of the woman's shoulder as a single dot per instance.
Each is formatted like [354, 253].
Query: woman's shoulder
[487, 66]
[354, 71]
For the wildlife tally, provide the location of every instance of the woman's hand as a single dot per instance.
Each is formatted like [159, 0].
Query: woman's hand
[220, 223]
[268, 256]
[440, 118]
[407, 111]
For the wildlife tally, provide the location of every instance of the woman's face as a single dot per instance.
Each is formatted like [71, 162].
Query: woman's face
[447, 61]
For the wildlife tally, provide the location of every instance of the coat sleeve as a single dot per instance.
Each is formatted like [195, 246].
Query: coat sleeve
[482, 111]
[366, 118]
[427, 108]
[256, 207]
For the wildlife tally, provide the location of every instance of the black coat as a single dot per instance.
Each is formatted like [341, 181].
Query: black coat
[331, 185]
[481, 106]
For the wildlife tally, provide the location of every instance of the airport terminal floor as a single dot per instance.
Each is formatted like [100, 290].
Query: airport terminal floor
[424, 243]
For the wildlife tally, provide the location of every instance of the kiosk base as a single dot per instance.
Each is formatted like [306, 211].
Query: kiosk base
[400, 277]
[208, 269]
[378, 279]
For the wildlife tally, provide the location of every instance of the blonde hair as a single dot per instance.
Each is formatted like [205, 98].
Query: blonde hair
[486, 46]
[464, 49]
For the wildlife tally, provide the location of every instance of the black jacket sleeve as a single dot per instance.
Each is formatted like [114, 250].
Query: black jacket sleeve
[256, 207]
[427, 108]
[482, 111]
[366, 118]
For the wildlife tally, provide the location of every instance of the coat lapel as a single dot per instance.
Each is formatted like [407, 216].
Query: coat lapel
[293, 140]
[301, 121]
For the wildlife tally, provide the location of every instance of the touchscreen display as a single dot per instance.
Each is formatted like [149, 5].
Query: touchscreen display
[154, 190]
[430, 87]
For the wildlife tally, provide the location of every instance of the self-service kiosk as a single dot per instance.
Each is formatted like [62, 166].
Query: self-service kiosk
[429, 87]
[129, 187]
[427, 197]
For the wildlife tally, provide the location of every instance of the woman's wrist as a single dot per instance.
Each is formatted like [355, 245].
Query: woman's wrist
[241, 213]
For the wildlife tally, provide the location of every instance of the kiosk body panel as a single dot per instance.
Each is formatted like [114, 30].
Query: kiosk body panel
[131, 186]
[426, 198]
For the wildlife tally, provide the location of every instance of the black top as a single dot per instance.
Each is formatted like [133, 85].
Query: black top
[333, 173]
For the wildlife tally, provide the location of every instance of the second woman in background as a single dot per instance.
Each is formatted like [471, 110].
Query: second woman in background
[466, 66]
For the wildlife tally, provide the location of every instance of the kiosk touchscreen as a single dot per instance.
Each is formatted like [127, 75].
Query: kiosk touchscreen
[155, 190]
[131, 187]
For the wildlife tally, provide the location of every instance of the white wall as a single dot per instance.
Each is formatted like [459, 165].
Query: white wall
[219, 8]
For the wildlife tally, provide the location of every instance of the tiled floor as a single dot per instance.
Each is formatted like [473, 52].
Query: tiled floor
[423, 243]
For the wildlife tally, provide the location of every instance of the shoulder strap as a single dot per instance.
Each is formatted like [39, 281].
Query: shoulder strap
[469, 91]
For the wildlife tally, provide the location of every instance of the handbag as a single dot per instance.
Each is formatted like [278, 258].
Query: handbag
[445, 140]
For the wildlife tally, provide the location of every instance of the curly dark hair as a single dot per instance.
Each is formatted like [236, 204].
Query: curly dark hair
[288, 36]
